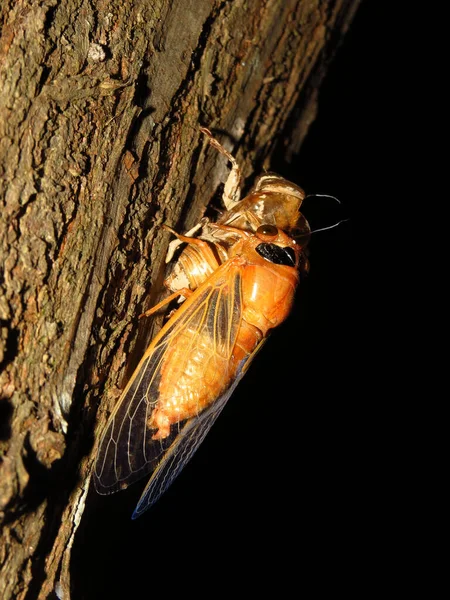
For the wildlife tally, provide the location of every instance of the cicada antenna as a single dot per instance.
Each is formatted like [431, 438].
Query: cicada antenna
[329, 226]
[323, 196]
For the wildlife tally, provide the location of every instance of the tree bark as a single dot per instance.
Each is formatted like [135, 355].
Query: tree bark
[100, 108]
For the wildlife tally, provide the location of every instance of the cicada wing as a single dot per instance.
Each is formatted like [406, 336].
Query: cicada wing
[127, 450]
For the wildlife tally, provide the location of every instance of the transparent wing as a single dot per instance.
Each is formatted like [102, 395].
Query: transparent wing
[127, 450]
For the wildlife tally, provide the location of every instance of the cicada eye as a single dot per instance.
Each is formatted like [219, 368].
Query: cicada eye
[267, 230]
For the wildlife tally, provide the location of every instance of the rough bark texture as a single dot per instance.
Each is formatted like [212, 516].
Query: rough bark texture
[100, 105]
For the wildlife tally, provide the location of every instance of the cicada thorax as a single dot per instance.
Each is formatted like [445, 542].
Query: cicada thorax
[270, 276]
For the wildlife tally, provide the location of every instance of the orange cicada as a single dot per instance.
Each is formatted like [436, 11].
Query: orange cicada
[238, 283]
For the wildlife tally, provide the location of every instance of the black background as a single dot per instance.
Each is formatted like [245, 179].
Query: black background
[283, 495]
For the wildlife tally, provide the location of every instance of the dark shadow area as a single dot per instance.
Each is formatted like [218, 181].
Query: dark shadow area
[6, 411]
[283, 489]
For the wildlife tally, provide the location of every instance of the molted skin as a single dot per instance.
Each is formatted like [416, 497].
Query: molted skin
[273, 200]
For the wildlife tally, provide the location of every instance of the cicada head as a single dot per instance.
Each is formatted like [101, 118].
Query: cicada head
[270, 243]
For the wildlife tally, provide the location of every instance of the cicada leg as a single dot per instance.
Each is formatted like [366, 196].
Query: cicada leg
[232, 190]
[185, 292]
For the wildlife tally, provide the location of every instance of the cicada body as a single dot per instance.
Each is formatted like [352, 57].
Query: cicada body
[196, 360]
[238, 279]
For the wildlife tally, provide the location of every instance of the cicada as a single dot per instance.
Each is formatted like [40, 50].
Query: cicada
[238, 284]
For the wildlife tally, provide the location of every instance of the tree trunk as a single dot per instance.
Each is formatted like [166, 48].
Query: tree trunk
[100, 108]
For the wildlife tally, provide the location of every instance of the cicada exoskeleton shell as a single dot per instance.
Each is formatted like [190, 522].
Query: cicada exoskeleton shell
[272, 200]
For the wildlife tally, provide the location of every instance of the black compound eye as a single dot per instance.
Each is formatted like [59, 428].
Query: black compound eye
[267, 229]
[276, 254]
